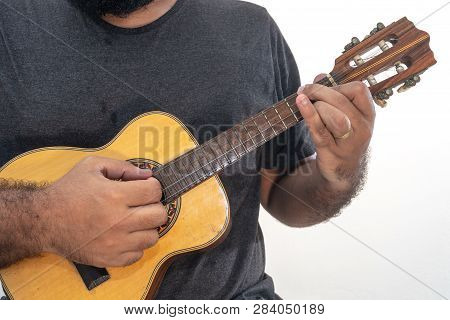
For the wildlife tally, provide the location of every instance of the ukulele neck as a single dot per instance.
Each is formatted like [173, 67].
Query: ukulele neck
[199, 164]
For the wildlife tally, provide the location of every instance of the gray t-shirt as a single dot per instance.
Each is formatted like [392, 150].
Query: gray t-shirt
[70, 79]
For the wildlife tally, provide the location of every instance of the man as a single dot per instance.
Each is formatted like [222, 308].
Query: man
[75, 72]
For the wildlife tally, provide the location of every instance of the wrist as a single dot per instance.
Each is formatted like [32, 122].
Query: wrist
[340, 179]
[41, 206]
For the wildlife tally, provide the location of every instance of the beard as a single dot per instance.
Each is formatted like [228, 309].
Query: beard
[120, 8]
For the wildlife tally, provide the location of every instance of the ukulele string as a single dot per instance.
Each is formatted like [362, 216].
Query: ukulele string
[204, 145]
[238, 157]
[336, 77]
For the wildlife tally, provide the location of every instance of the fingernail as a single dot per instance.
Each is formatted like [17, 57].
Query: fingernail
[303, 100]
[301, 89]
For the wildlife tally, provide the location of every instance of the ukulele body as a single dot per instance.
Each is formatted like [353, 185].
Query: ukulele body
[200, 219]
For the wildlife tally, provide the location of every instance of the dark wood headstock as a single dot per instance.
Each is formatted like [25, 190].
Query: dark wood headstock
[403, 54]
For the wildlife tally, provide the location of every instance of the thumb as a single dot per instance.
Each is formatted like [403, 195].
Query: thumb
[121, 170]
[319, 77]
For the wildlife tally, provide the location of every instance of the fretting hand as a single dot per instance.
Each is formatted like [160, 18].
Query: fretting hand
[341, 122]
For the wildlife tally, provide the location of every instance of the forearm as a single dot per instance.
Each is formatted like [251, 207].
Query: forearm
[304, 198]
[21, 229]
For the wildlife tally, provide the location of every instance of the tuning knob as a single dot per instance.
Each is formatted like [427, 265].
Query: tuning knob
[381, 97]
[375, 30]
[355, 41]
[409, 84]
[380, 26]
[382, 103]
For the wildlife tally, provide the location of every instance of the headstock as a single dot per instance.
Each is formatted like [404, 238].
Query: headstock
[387, 58]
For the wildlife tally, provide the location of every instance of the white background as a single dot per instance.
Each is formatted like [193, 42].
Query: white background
[403, 213]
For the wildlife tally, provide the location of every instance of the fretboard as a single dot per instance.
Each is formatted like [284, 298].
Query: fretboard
[201, 163]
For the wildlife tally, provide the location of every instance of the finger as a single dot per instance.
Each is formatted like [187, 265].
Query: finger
[358, 93]
[146, 218]
[319, 77]
[320, 135]
[141, 240]
[117, 169]
[141, 192]
[317, 92]
[128, 258]
[334, 119]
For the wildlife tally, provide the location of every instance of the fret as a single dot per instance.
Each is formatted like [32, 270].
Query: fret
[245, 138]
[196, 170]
[286, 114]
[257, 127]
[237, 143]
[277, 125]
[238, 135]
[261, 122]
[227, 147]
[205, 161]
[213, 158]
[232, 154]
[282, 120]
[254, 144]
[195, 165]
[284, 111]
[252, 130]
[268, 121]
[218, 155]
[170, 192]
[180, 166]
[179, 181]
[288, 104]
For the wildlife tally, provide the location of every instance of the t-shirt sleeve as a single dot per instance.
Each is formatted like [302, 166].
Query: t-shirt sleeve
[286, 151]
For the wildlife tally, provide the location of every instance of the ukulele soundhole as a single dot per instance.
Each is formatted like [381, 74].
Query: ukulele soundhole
[173, 208]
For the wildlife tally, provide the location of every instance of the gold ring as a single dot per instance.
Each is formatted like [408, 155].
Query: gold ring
[345, 136]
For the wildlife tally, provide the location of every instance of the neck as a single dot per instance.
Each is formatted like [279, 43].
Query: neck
[142, 16]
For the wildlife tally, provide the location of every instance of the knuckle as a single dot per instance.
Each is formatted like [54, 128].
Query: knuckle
[155, 189]
[153, 238]
[321, 143]
[159, 215]
[342, 122]
[109, 243]
[162, 215]
[115, 195]
[131, 258]
[310, 88]
[322, 132]
[359, 87]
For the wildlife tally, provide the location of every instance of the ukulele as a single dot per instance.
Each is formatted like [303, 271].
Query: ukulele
[195, 199]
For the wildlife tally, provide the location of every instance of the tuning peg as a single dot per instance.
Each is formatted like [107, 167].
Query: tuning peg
[375, 30]
[382, 103]
[355, 41]
[409, 84]
[380, 26]
[381, 97]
